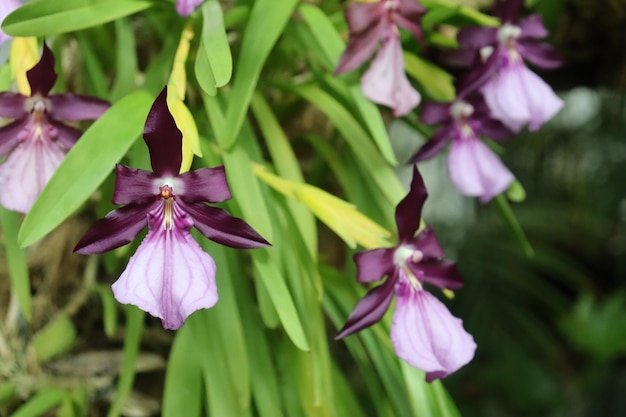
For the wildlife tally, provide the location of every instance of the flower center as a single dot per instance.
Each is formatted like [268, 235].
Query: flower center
[401, 257]
[167, 194]
[508, 34]
[461, 110]
[392, 5]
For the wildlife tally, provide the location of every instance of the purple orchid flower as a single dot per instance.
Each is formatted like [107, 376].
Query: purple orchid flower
[36, 141]
[186, 7]
[423, 332]
[169, 276]
[474, 169]
[514, 94]
[6, 7]
[376, 23]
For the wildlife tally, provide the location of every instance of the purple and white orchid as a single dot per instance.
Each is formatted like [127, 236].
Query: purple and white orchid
[36, 141]
[371, 24]
[514, 94]
[423, 332]
[186, 7]
[169, 276]
[473, 168]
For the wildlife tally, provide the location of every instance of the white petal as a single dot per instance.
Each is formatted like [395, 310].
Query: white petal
[517, 96]
[169, 276]
[26, 171]
[427, 336]
[385, 81]
[475, 170]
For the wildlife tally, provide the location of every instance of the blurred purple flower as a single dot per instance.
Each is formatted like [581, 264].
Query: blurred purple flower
[169, 276]
[6, 7]
[36, 141]
[515, 94]
[423, 332]
[473, 168]
[372, 24]
[186, 7]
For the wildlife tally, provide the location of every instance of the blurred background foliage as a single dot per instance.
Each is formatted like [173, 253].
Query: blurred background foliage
[550, 328]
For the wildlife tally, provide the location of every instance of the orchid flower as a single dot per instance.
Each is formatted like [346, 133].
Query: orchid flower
[423, 332]
[186, 7]
[6, 7]
[473, 168]
[514, 94]
[36, 141]
[169, 276]
[372, 24]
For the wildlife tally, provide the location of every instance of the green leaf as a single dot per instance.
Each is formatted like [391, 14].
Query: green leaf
[16, 261]
[375, 123]
[86, 166]
[44, 401]
[45, 17]
[214, 44]
[132, 337]
[464, 15]
[126, 65]
[358, 140]
[109, 309]
[324, 32]
[516, 192]
[7, 390]
[435, 82]
[275, 285]
[203, 71]
[183, 379]
[55, 338]
[513, 224]
[267, 21]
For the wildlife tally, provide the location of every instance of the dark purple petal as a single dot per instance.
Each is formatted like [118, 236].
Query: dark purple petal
[12, 105]
[409, 15]
[219, 226]
[360, 47]
[439, 273]
[118, 228]
[426, 242]
[409, 210]
[163, 138]
[493, 129]
[42, 77]
[373, 265]
[434, 112]
[508, 10]
[65, 135]
[11, 134]
[362, 16]
[532, 27]
[205, 184]
[477, 77]
[71, 107]
[370, 309]
[540, 54]
[133, 185]
[476, 37]
[434, 145]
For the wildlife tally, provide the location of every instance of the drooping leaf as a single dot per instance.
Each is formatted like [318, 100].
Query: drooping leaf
[44, 17]
[16, 261]
[267, 21]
